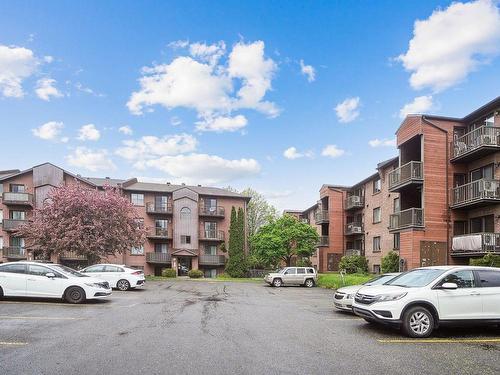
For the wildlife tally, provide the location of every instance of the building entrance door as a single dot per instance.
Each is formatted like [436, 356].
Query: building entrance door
[184, 265]
[432, 253]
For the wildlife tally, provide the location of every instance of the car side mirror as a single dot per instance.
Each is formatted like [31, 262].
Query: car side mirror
[449, 286]
[50, 275]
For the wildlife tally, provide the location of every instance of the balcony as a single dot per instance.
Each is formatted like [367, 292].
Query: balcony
[408, 174]
[321, 217]
[354, 202]
[72, 255]
[476, 244]
[349, 252]
[476, 193]
[212, 235]
[477, 143]
[159, 233]
[14, 252]
[159, 209]
[212, 211]
[11, 225]
[410, 218]
[159, 258]
[323, 241]
[353, 229]
[211, 260]
[17, 199]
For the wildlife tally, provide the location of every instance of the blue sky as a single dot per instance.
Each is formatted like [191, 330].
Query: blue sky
[280, 96]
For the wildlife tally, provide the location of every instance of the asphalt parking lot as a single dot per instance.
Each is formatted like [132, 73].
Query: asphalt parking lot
[202, 327]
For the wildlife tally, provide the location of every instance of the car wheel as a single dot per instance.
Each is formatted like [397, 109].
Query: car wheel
[277, 283]
[418, 322]
[368, 320]
[74, 294]
[123, 285]
[309, 283]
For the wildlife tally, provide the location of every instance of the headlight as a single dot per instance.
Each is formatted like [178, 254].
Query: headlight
[96, 285]
[390, 297]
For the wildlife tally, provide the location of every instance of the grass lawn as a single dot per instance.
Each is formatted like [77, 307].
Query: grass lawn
[334, 280]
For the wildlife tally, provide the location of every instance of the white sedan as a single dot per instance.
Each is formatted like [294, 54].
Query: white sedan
[47, 280]
[118, 276]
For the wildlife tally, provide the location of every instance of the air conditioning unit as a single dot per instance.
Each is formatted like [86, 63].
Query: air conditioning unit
[356, 199]
[486, 140]
[356, 229]
[490, 188]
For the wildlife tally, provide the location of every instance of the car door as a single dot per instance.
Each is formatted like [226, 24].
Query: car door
[300, 277]
[96, 271]
[113, 274]
[39, 285]
[289, 276]
[462, 303]
[13, 279]
[490, 293]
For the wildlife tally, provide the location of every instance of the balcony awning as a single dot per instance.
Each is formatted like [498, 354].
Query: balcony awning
[184, 253]
[467, 243]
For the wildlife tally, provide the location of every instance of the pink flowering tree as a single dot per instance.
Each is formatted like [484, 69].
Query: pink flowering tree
[85, 221]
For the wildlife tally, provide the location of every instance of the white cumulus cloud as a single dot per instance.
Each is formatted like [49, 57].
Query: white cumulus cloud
[420, 104]
[292, 153]
[16, 64]
[222, 124]
[348, 110]
[89, 133]
[332, 151]
[382, 142]
[308, 71]
[451, 43]
[92, 160]
[50, 131]
[127, 130]
[210, 53]
[45, 88]
[149, 147]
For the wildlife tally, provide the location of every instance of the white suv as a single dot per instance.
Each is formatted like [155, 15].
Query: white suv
[424, 298]
[47, 280]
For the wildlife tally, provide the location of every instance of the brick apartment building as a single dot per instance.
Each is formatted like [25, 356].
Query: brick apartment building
[186, 224]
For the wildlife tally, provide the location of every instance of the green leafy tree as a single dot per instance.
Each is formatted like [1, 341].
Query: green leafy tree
[282, 239]
[390, 262]
[259, 211]
[236, 265]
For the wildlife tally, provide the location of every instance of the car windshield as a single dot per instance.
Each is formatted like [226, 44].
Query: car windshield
[416, 278]
[379, 280]
[280, 270]
[66, 270]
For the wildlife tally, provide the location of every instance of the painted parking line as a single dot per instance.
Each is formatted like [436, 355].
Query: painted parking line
[37, 318]
[441, 341]
[10, 343]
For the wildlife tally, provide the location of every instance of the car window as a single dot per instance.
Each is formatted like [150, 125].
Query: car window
[112, 269]
[310, 270]
[37, 270]
[13, 268]
[379, 280]
[463, 279]
[301, 270]
[290, 271]
[416, 278]
[95, 269]
[489, 278]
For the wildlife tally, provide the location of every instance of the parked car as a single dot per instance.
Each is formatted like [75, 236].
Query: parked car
[343, 297]
[306, 276]
[48, 280]
[117, 275]
[420, 300]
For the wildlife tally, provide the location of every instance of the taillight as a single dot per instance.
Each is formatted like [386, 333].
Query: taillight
[137, 273]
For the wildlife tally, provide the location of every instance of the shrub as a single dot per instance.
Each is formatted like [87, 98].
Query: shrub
[354, 264]
[390, 263]
[168, 272]
[489, 260]
[195, 274]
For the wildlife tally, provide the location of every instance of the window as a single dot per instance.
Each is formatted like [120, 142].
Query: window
[17, 215]
[310, 270]
[13, 268]
[490, 120]
[210, 273]
[482, 224]
[483, 172]
[210, 204]
[17, 241]
[161, 248]
[161, 202]
[301, 270]
[377, 186]
[137, 199]
[489, 278]
[185, 213]
[290, 271]
[97, 268]
[1, 189]
[17, 188]
[396, 241]
[1, 243]
[459, 228]
[377, 215]
[396, 205]
[161, 223]
[376, 244]
[185, 240]
[38, 270]
[463, 279]
[113, 269]
[137, 250]
[211, 250]
[376, 268]
[1, 216]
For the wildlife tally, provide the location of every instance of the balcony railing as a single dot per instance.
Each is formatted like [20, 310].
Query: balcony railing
[410, 218]
[154, 208]
[158, 258]
[212, 260]
[349, 252]
[476, 192]
[10, 225]
[354, 201]
[212, 211]
[14, 252]
[23, 199]
[160, 233]
[354, 228]
[476, 244]
[213, 235]
[484, 139]
[321, 217]
[72, 255]
[323, 241]
[407, 174]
